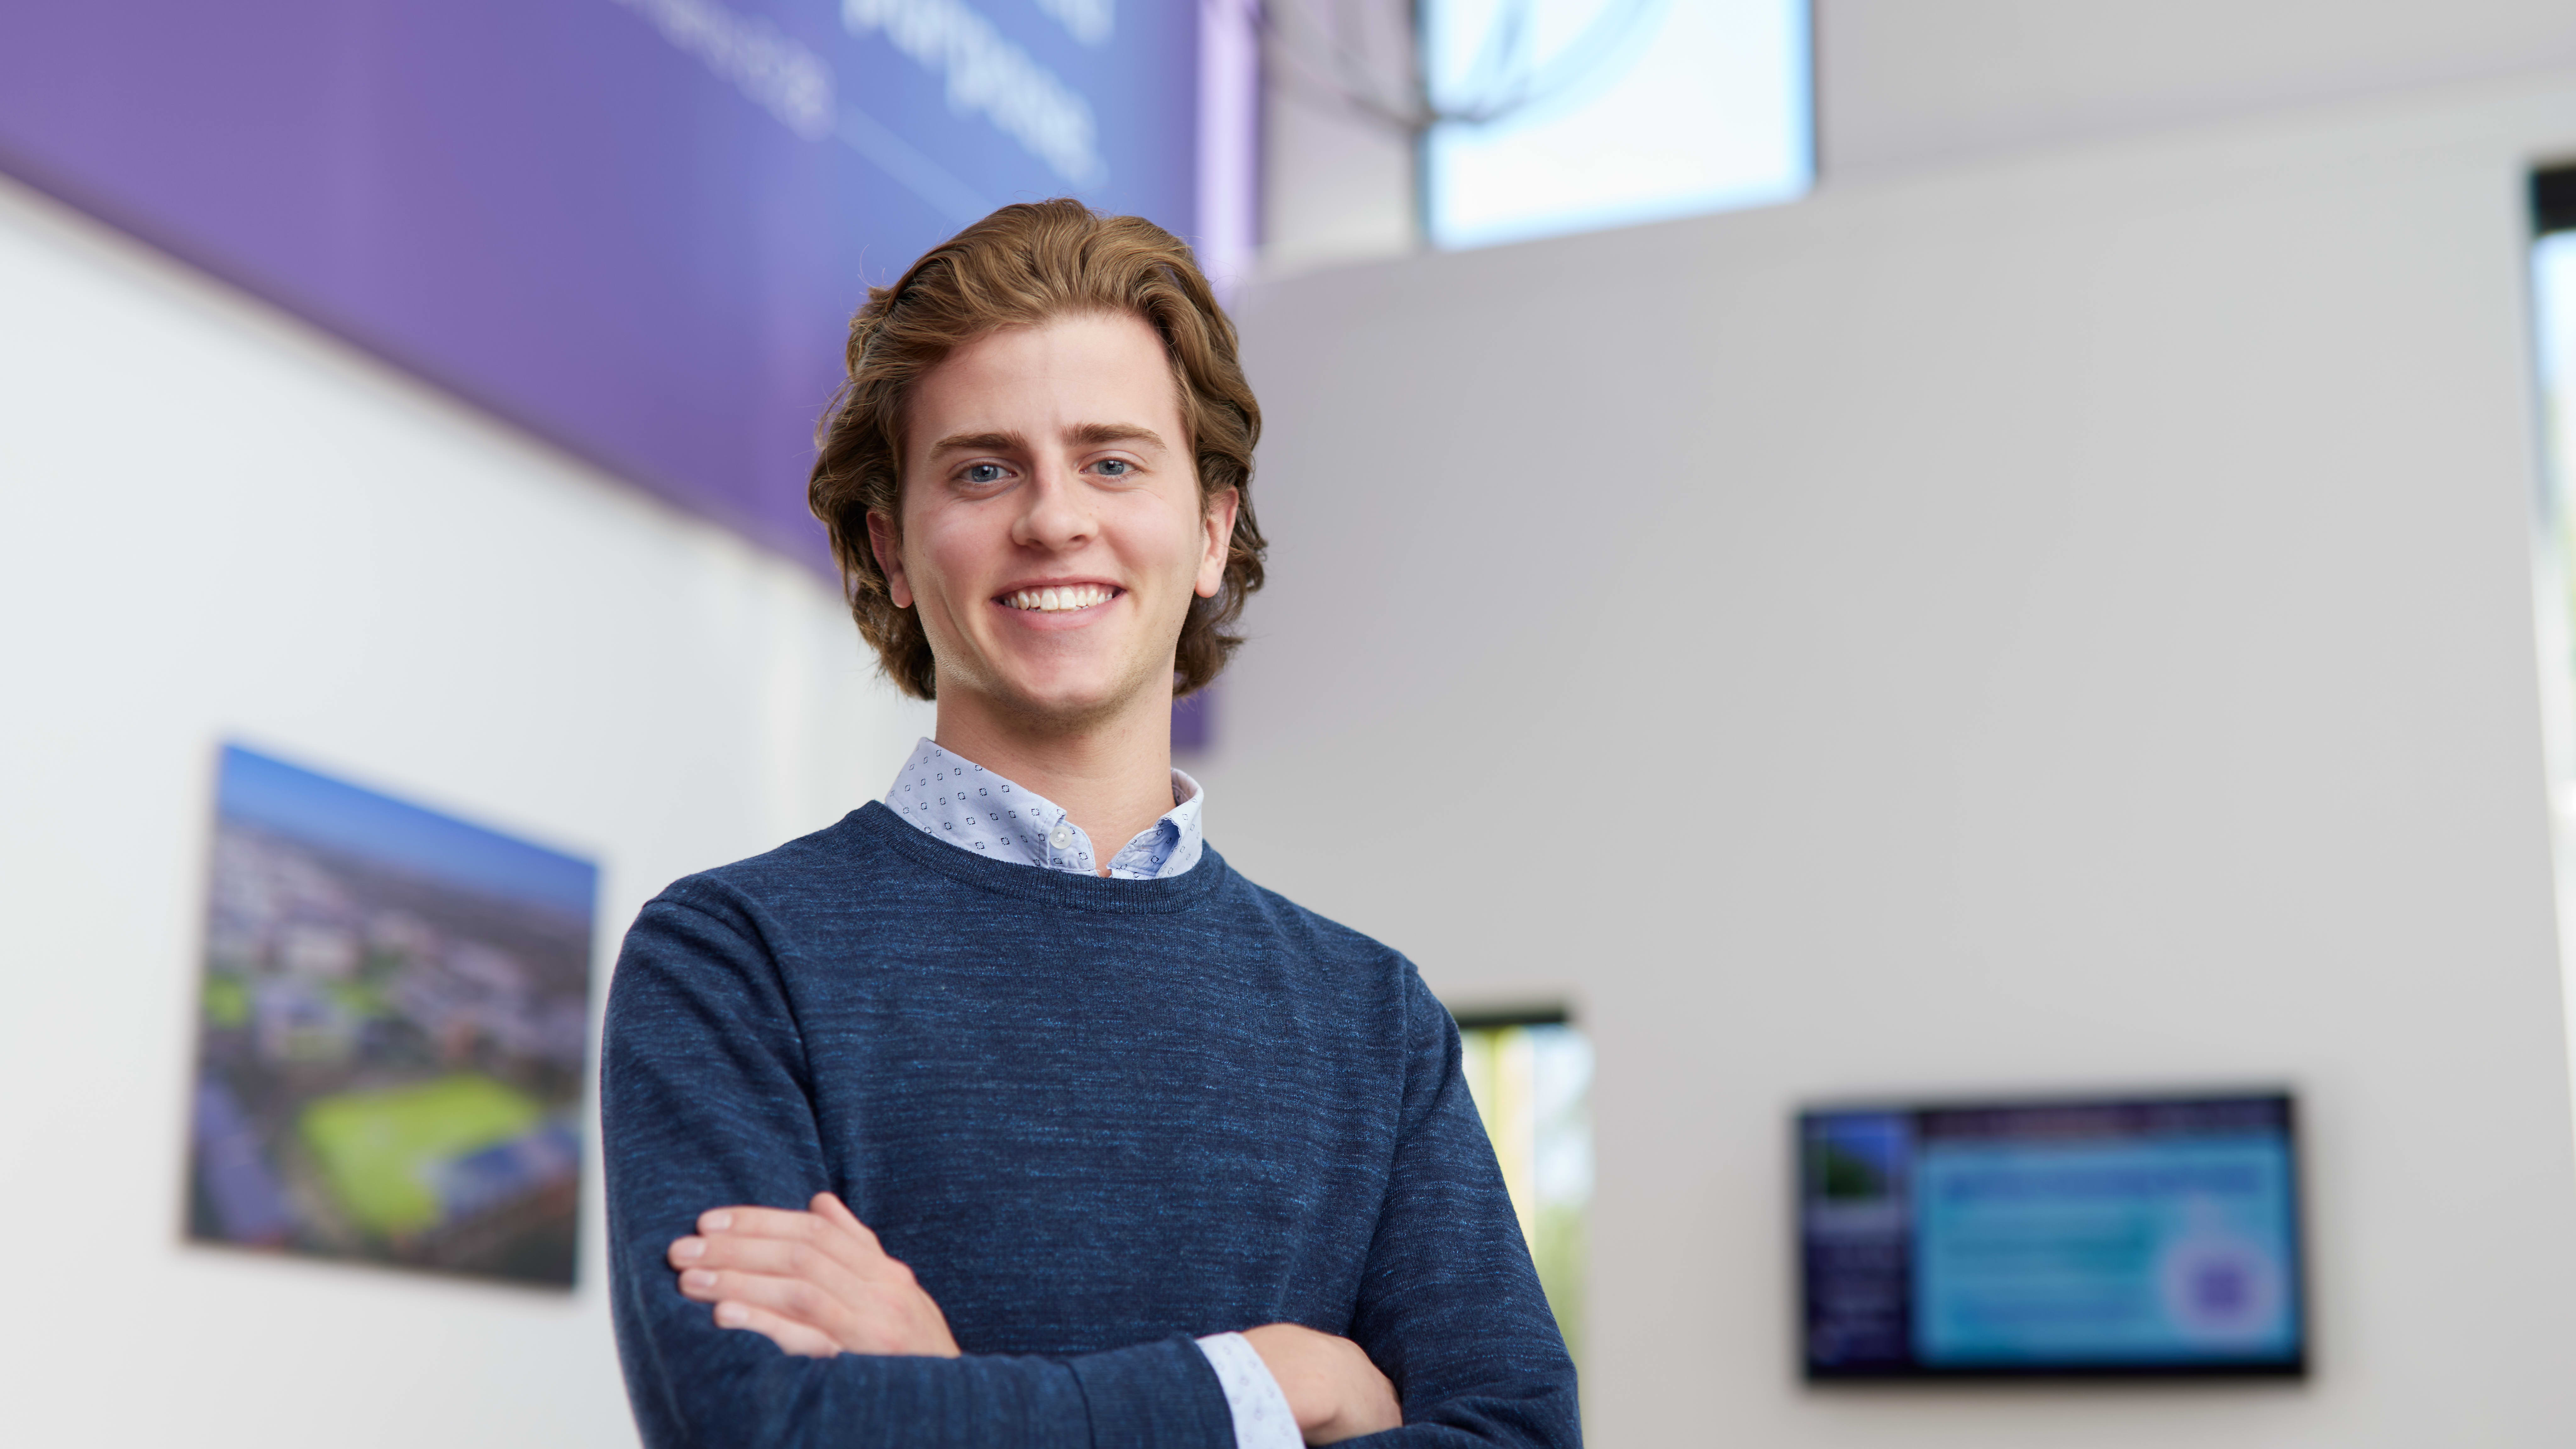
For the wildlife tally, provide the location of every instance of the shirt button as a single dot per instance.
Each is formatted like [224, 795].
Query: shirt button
[1063, 837]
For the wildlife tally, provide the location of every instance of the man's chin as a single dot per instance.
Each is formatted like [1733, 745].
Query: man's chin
[1064, 707]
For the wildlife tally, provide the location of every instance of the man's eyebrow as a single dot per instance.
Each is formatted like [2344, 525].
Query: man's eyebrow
[980, 443]
[1094, 435]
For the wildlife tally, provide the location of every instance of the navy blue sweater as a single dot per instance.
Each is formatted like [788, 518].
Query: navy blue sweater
[1097, 1117]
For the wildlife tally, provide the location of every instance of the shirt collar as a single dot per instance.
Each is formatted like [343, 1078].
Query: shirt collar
[958, 801]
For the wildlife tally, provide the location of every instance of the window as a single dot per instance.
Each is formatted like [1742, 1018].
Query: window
[1531, 1075]
[2553, 287]
[1635, 110]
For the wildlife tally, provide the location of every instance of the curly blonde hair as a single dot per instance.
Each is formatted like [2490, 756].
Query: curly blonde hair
[1024, 265]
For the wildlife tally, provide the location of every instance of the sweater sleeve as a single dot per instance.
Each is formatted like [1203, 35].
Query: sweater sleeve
[704, 1102]
[1450, 1307]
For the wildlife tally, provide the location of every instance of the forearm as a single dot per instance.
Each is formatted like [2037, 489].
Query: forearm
[1329, 1391]
[695, 1380]
[703, 1105]
[1546, 1420]
[695, 1384]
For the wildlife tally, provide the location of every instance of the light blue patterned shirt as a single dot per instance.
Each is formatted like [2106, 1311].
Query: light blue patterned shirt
[969, 806]
[974, 809]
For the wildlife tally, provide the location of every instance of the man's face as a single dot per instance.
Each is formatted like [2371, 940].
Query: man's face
[1052, 534]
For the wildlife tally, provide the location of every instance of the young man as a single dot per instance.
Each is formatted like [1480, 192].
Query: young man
[1003, 1112]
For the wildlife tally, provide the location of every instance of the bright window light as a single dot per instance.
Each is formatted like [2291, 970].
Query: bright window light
[2553, 295]
[1531, 1078]
[1673, 107]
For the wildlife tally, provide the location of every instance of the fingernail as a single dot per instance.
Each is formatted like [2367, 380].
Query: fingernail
[732, 1315]
[715, 1222]
[698, 1278]
[689, 1250]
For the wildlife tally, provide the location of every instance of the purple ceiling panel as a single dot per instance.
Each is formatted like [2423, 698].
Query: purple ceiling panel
[634, 227]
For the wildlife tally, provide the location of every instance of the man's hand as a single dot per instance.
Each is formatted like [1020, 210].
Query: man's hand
[1332, 1388]
[815, 1283]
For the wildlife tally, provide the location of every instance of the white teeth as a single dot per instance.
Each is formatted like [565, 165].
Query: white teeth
[1058, 599]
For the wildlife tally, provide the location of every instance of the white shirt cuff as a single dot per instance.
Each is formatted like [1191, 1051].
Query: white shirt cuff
[1261, 1417]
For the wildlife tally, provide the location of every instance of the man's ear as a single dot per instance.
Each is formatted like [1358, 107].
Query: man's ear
[889, 552]
[1218, 520]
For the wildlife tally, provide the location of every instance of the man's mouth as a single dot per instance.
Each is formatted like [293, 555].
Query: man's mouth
[1061, 599]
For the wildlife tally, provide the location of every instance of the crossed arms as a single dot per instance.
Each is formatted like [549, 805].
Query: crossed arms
[713, 1109]
[818, 1284]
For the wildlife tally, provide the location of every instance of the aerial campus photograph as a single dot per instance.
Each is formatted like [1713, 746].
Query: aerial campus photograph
[391, 1034]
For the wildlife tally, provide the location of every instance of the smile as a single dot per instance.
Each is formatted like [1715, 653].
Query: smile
[1060, 600]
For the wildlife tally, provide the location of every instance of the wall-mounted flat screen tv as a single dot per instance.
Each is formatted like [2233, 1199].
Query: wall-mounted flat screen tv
[2124, 1236]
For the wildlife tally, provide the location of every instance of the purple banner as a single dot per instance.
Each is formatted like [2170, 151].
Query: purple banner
[634, 227]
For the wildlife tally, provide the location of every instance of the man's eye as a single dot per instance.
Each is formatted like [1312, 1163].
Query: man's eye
[1115, 467]
[983, 472]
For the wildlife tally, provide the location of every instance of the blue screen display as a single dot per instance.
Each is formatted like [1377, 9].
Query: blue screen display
[2135, 1236]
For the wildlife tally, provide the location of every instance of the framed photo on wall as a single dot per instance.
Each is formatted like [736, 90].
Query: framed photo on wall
[392, 1031]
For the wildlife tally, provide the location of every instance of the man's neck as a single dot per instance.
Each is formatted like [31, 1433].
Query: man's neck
[1114, 776]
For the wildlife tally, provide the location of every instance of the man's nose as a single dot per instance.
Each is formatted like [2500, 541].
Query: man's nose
[1058, 515]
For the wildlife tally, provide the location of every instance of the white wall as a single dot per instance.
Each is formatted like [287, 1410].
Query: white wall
[1905, 83]
[2054, 625]
[216, 524]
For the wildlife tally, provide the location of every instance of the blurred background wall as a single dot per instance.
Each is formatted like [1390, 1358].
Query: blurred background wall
[216, 523]
[2066, 620]
[2050, 609]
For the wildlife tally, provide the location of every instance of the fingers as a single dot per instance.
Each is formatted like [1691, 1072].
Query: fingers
[761, 1222]
[770, 1257]
[829, 1205]
[1365, 1400]
[815, 1262]
[872, 1319]
[797, 1338]
[832, 1210]
[788, 1298]
[1373, 1407]
[852, 1245]
[792, 1297]
[821, 1271]
[1333, 1389]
